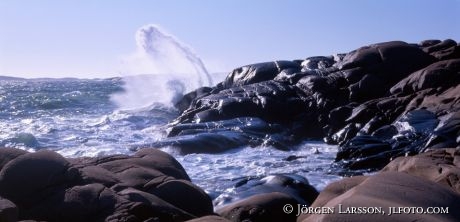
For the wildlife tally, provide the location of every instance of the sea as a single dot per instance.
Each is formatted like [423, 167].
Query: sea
[79, 117]
[102, 116]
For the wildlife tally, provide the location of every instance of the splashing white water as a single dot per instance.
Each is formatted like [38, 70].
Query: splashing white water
[169, 68]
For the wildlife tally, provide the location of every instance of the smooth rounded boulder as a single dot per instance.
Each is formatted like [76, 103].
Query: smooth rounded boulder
[260, 207]
[383, 193]
[148, 185]
[24, 179]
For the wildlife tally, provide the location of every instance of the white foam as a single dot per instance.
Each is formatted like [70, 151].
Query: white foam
[170, 69]
[219, 172]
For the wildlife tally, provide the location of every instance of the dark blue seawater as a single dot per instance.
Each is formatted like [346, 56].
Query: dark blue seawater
[75, 116]
[86, 117]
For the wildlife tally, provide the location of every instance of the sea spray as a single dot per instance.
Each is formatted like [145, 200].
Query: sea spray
[160, 71]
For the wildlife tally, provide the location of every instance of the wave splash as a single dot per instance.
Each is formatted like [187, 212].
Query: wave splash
[160, 71]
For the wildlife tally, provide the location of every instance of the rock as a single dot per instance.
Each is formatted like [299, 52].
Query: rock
[382, 192]
[365, 152]
[417, 121]
[374, 148]
[440, 103]
[295, 186]
[344, 135]
[404, 182]
[391, 61]
[439, 74]
[447, 49]
[77, 203]
[8, 211]
[352, 96]
[447, 133]
[97, 174]
[145, 206]
[182, 193]
[147, 186]
[266, 100]
[385, 132]
[369, 87]
[186, 100]
[212, 218]
[7, 154]
[429, 42]
[257, 73]
[207, 142]
[439, 165]
[260, 207]
[317, 62]
[291, 75]
[334, 190]
[220, 136]
[25, 177]
[338, 115]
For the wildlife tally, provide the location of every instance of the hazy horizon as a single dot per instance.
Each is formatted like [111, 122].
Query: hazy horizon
[88, 39]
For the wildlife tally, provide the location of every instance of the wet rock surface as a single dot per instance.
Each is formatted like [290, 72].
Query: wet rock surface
[219, 136]
[377, 102]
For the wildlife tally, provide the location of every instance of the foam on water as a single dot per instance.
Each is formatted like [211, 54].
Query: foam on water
[218, 173]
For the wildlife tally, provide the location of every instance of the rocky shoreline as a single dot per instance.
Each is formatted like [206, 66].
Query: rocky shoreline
[377, 102]
[152, 186]
[390, 106]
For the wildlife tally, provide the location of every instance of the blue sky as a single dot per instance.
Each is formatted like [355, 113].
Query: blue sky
[87, 38]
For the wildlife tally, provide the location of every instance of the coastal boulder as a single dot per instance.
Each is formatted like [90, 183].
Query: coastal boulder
[381, 194]
[7, 154]
[443, 74]
[295, 186]
[263, 199]
[260, 207]
[27, 178]
[392, 61]
[220, 136]
[442, 50]
[148, 185]
[212, 218]
[438, 165]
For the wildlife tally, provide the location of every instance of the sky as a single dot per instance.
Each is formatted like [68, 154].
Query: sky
[87, 38]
